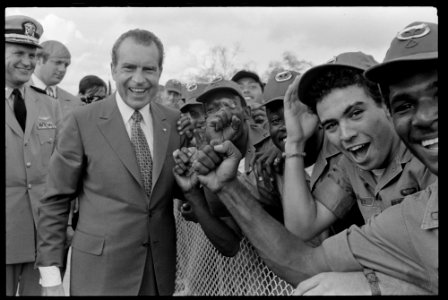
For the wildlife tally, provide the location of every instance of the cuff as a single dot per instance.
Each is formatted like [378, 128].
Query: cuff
[50, 276]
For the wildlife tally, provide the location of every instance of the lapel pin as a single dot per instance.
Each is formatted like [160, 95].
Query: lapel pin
[164, 129]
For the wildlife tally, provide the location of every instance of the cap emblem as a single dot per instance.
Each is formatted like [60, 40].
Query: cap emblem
[283, 76]
[217, 79]
[192, 87]
[30, 29]
[413, 32]
[332, 60]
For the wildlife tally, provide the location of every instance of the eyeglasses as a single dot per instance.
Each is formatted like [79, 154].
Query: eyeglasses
[90, 98]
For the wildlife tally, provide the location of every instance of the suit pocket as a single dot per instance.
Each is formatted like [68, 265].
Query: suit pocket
[88, 243]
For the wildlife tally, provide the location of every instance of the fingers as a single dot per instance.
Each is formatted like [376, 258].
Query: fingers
[306, 286]
[228, 149]
[291, 94]
[206, 160]
[184, 124]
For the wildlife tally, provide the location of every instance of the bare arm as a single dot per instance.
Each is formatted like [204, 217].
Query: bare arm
[304, 216]
[287, 255]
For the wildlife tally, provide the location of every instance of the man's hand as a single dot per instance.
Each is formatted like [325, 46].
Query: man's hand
[69, 236]
[269, 161]
[207, 160]
[335, 283]
[185, 126]
[183, 172]
[57, 290]
[222, 126]
[300, 121]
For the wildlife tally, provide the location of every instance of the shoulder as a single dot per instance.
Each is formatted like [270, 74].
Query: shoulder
[65, 94]
[40, 95]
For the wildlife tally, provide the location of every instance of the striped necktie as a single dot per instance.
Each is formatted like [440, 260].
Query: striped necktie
[50, 92]
[19, 108]
[142, 152]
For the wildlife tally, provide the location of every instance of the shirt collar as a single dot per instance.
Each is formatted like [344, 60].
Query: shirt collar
[8, 91]
[40, 84]
[127, 111]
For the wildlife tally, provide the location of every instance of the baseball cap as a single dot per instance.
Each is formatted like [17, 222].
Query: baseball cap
[174, 85]
[416, 42]
[277, 85]
[193, 90]
[245, 73]
[352, 60]
[23, 30]
[219, 84]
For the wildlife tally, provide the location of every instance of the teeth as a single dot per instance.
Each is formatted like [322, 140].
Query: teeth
[356, 148]
[430, 142]
[137, 90]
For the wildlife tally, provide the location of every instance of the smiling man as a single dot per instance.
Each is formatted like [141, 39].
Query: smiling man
[114, 155]
[376, 170]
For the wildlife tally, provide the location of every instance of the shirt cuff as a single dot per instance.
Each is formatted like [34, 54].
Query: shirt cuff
[50, 276]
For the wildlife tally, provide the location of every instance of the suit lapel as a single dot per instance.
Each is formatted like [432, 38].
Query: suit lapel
[32, 112]
[11, 121]
[111, 125]
[161, 136]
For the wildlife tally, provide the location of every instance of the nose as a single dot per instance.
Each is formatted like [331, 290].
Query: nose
[427, 112]
[29, 60]
[138, 77]
[346, 132]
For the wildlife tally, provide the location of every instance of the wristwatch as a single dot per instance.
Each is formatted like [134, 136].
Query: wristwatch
[373, 281]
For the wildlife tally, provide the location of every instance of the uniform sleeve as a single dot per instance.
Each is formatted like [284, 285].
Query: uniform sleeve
[62, 182]
[335, 191]
[383, 245]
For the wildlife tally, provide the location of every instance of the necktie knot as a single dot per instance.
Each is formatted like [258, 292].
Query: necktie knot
[16, 93]
[49, 91]
[137, 117]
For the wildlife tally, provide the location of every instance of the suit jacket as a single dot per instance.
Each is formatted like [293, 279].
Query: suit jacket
[67, 101]
[94, 161]
[27, 157]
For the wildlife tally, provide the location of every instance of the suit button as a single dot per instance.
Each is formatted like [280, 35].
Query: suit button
[29, 186]
[145, 244]
[28, 164]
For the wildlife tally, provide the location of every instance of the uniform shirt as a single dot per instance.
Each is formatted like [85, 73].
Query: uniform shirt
[401, 242]
[347, 183]
[35, 81]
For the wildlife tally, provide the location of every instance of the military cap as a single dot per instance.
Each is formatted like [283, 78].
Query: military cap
[352, 60]
[416, 42]
[23, 30]
[193, 90]
[246, 74]
[174, 85]
[277, 85]
[219, 84]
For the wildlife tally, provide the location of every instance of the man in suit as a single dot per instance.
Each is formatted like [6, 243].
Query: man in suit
[32, 120]
[53, 60]
[115, 156]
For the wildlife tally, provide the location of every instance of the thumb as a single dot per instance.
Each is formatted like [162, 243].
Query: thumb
[228, 149]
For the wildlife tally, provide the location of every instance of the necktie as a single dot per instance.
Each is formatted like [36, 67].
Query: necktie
[142, 152]
[19, 108]
[49, 91]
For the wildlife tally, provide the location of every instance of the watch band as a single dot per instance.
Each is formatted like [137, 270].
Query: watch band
[373, 281]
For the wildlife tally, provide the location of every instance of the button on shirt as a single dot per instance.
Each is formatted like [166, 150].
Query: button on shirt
[402, 242]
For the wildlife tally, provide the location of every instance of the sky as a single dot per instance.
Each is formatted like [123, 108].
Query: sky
[262, 34]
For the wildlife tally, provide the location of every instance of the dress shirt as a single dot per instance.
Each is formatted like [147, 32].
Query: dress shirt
[40, 84]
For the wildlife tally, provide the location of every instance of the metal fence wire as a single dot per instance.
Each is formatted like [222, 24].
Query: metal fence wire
[202, 271]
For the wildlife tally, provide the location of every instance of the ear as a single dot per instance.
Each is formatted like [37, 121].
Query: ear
[112, 70]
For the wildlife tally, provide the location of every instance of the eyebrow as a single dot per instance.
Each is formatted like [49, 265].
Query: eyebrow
[345, 112]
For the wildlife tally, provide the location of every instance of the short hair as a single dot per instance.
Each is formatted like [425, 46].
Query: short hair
[341, 78]
[49, 47]
[90, 81]
[141, 36]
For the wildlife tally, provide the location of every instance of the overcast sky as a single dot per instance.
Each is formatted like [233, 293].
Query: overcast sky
[315, 34]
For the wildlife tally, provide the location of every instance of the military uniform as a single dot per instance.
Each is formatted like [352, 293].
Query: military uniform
[402, 242]
[27, 158]
[346, 183]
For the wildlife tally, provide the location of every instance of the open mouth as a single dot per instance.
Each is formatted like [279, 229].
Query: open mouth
[431, 144]
[138, 91]
[359, 151]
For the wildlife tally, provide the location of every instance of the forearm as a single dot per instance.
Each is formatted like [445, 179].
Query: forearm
[223, 238]
[299, 206]
[287, 255]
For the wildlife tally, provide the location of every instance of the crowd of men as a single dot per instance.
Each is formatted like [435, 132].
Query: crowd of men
[332, 175]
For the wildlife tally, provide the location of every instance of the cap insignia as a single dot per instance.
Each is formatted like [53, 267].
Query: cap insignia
[283, 76]
[30, 29]
[413, 32]
[191, 87]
